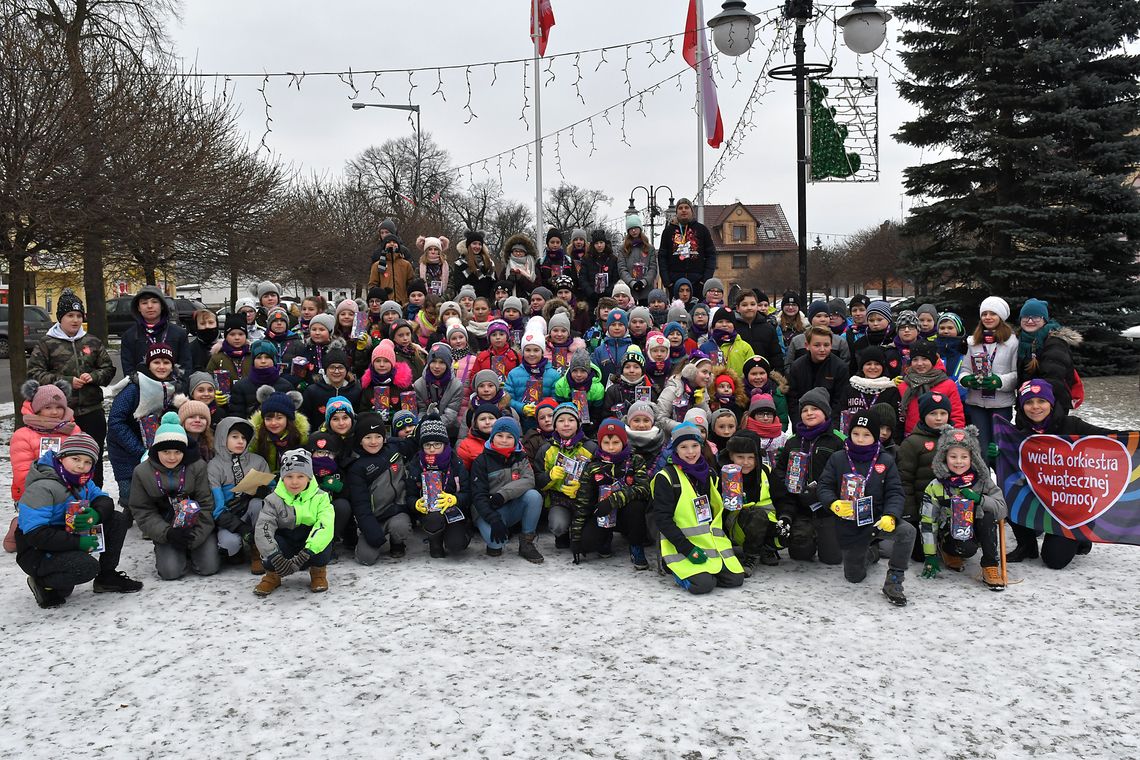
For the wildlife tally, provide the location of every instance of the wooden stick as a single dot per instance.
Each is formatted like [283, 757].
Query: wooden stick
[1001, 545]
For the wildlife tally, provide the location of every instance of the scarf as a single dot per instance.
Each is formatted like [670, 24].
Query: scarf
[919, 383]
[46, 426]
[903, 349]
[771, 429]
[440, 461]
[372, 378]
[677, 353]
[155, 332]
[440, 381]
[207, 335]
[614, 459]
[536, 370]
[475, 401]
[861, 453]
[697, 472]
[927, 334]
[555, 258]
[754, 390]
[658, 370]
[965, 480]
[858, 330]
[698, 333]
[723, 337]
[71, 480]
[878, 337]
[643, 439]
[525, 265]
[460, 353]
[287, 440]
[811, 433]
[660, 316]
[260, 376]
[236, 355]
[840, 329]
[580, 386]
[572, 441]
[1029, 343]
[505, 453]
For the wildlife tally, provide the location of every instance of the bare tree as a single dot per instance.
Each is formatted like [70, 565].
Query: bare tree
[828, 267]
[474, 207]
[568, 206]
[510, 217]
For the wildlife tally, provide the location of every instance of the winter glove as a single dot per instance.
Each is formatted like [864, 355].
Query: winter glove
[697, 556]
[229, 521]
[332, 484]
[886, 524]
[421, 506]
[280, 564]
[446, 501]
[972, 495]
[221, 399]
[557, 473]
[992, 452]
[238, 504]
[784, 527]
[88, 543]
[571, 489]
[969, 381]
[528, 410]
[990, 382]
[86, 519]
[363, 342]
[497, 500]
[843, 509]
[300, 559]
[499, 532]
[178, 537]
[604, 508]
[931, 567]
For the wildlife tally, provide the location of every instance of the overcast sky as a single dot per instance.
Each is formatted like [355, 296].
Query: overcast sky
[316, 129]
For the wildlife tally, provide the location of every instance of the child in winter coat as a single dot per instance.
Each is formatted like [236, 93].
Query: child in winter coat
[689, 512]
[554, 260]
[924, 376]
[560, 345]
[640, 323]
[614, 494]
[503, 492]
[881, 332]
[761, 420]
[906, 337]
[232, 354]
[534, 379]
[316, 346]
[610, 352]
[48, 420]
[722, 426]
[645, 438]
[462, 366]
[680, 344]
[427, 322]
[637, 260]
[658, 307]
[376, 485]
[520, 270]
[724, 345]
[434, 270]
[487, 388]
[916, 456]
[194, 417]
[278, 426]
[989, 369]
[499, 356]
[537, 437]
[961, 509]
[173, 505]
[407, 351]
[699, 317]
[242, 400]
[594, 335]
[384, 381]
[294, 529]
[478, 325]
[728, 391]
[687, 389]
[278, 332]
[482, 419]
[628, 387]
[439, 386]
[334, 380]
[55, 550]
[235, 514]
[582, 378]
[760, 378]
[752, 529]
[951, 345]
[818, 368]
[658, 365]
[560, 476]
[444, 518]
[861, 471]
[869, 387]
[203, 387]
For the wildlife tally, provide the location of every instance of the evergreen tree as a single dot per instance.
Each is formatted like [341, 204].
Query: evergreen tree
[1032, 111]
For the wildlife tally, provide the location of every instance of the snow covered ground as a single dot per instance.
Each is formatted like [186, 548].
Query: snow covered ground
[485, 657]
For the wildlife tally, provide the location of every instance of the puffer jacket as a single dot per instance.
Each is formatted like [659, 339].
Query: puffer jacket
[1003, 363]
[376, 490]
[492, 473]
[1054, 362]
[284, 511]
[125, 445]
[448, 399]
[314, 353]
[517, 381]
[638, 262]
[915, 464]
[670, 412]
[882, 485]
[30, 442]
[220, 469]
[60, 357]
[151, 507]
[629, 482]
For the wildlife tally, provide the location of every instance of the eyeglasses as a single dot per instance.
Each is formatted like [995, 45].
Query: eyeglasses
[1033, 319]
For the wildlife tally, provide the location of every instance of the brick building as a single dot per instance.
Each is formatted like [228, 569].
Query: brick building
[756, 246]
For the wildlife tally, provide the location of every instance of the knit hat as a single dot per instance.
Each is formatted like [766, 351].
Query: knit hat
[498, 325]
[817, 307]
[641, 409]
[376, 293]
[467, 291]
[563, 282]
[579, 360]
[473, 412]
[743, 442]
[1036, 388]
[385, 349]
[722, 412]
[546, 403]
[328, 321]
[818, 398]
[996, 305]
[712, 283]
[858, 300]
[631, 221]
[403, 419]
[954, 319]
[400, 324]
[599, 236]
[907, 318]
[440, 352]
[617, 315]
[925, 349]
[506, 425]
[197, 378]
[657, 294]
[1035, 307]
[388, 306]
[267, 347]
[722, 312]
[724, 377]
[863, 419]
[542, 292]
[78, 444]
[613, 426]
[432, 430]
[756, 361]
[683, 202]
[672, 327]
[347, 305]
[336, 356]
[277, 312]
[265, 287]
[235, 321]
[678, 313]
[882, 308]
[686, 431]
[470, 236]
[578, 234]
[928, 308]
[790, 297]
[654, 339]
[455, 326]
[885, 415]
[535, 333]
[762, 402]
[567, 407]
[276, 402]
[964, 438]
[873, 354]
[621, 288]
[417, 285]
[68, 302]
[929, 402]
[633, 354]
[836, 308]
[441, 242]
[170, 435]
[698, 417]
[553, 232]
[700, 307]
[191, 408]
[486, 376]
[297, 461]
[559, 320]
[514, 302]
[325, 446]
[338, 404]
[47, 394]
[159, 351]
[368, 423]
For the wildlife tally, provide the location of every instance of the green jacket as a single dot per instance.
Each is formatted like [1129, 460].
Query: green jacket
[58, 357]
[284, 511]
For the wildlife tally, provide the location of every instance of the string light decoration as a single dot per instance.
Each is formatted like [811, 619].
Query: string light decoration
[844, 129]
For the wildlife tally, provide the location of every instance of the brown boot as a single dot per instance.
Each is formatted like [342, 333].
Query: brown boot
[318, 579]
[991, 576]
[268, 584]
[952, 562]
[255, 566]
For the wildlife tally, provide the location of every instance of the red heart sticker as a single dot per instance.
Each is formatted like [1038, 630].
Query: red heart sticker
[395, 467]
[929, 445]
[894, 362]
[1076, 481]
[880, 468]
[322, 443]
[937, 397]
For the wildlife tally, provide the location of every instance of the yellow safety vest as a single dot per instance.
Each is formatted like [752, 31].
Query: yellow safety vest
[708, 536]
[764, 502]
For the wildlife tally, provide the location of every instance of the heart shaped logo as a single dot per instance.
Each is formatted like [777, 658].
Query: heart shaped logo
[1076, 481]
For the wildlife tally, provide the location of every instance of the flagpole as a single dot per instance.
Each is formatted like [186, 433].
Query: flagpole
[700, 193]
[536, 34]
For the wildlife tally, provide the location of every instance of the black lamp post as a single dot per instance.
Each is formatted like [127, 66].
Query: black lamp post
[652, 209]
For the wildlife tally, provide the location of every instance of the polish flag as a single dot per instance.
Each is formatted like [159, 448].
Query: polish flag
[545, 22]
[714, 128]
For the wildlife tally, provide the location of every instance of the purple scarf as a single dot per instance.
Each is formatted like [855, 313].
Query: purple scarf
[71, 480]
[723, 337]
[535, 370]
[697, 472]
[573, 441]
[811, 433]
[617, 459]
[861, 453]
[442, 460]
[260, 376]
[966, 480]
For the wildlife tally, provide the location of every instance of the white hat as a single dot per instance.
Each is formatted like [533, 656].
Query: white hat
[996, 305]
[535, 333]
[621, 287]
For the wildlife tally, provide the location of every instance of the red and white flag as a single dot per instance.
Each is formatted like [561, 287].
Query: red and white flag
[545, 22]
[714, 128]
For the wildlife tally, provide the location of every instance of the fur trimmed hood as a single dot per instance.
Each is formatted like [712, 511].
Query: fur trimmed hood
[968, 436]
[523, 240]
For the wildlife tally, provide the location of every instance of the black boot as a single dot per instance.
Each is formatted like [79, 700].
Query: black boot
[1026, 549]
[893, 588]
[562, 541]
[527, 549]
[46, 598]
[435, 546]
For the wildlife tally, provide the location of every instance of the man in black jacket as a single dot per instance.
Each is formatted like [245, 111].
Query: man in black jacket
[686, 250]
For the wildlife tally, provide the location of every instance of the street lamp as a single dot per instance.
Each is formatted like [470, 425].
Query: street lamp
[395, 107]
[652, 209]
[864, 29]
[734, 29]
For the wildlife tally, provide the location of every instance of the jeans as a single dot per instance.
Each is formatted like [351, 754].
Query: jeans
[231, 543]
[983, 420]
[526, 509]
[172, 562]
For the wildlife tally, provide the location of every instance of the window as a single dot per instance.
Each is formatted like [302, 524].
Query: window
[740, 261]
[739, 233]
[770, 233]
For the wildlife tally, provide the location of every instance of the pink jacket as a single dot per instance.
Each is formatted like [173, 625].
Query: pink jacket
[29, 444]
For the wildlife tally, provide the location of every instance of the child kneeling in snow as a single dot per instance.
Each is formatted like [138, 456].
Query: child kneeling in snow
[294, 530]
[445, 520]
[861, 486]
[961, 508]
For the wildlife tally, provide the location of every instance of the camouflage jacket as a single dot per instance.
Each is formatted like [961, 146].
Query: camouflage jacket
[57, 357]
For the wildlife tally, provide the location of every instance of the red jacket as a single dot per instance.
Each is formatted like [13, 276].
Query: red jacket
[947, 387]
[469, 449]
[511, 360]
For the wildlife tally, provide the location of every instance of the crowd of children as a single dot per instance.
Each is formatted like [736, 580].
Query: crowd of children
[563, 391]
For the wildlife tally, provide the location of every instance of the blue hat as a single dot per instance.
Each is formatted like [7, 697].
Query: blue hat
[673, 327]
[1035, 307]
[505, 425]
[338, 404]
[276, 402]
[617, 315]
[883, 309]
[686, 431]
[403, 419]
[264, 347]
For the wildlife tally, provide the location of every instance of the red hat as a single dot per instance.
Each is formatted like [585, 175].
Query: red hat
[613, 426]
[546, 403]
[724, 378]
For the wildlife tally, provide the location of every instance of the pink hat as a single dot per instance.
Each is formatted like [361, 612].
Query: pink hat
[45, 395]
[386, 349]
[656, 338]
[347, 305]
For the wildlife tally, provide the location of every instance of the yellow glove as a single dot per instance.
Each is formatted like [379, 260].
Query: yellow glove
[571, 489]
[886, 524]
[362, 342]
[898, 381]
[557, 473]
[842, 508]
[221, 399]
[528, 410]
[421, 506]
[446, 501]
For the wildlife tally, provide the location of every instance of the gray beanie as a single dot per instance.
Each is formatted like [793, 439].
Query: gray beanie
[514, 302]
[711, 283]
[580, 359]
[467, 290]
[542, 291]
[928, 308]
[818, 398]
[578, 232]
[638, 408]
[266, 286]
[388, 306]
[641, 312]
[324, 319]
[486, 376]
[679, 314]
[197, 378]
[297, 460]
[657, 294]
[560, 319]
[836, 307]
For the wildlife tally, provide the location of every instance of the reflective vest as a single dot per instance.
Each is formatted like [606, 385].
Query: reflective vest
[708, 536]
[736, 533]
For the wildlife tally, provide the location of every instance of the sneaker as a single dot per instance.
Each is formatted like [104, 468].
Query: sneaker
[116, 582]
[951, 561]
[637, 557]
[397, 551]
[1024, 551]
[991, 576]
[682, 582]
[46, 598]
[494, 551]
[562, 542]
[893, 588]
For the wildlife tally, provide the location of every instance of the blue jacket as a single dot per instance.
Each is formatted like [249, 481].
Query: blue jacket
[516, 386]
[45, 499]
[609, 353]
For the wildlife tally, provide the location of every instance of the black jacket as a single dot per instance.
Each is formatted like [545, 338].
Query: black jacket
[376, 490]
[788, 504]
[457, 482]
[319, 392]
[697, 268]
[832, 375]
[134, 343]
[761, 335]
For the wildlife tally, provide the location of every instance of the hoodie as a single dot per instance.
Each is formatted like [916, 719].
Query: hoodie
[139, 336]
[223, 470]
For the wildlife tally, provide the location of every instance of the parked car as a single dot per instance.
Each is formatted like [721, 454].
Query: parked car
[1132, 333]
[119, 316]
[36, 324]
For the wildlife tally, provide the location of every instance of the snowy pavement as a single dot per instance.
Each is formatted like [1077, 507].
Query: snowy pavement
[485, 657]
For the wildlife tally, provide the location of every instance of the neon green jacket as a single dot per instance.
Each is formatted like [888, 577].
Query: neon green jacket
[284, 511]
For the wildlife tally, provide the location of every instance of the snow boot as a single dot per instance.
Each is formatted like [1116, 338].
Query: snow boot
[562, 541]
[268, 584]
[435, 546]
[116, 582]
[991, 576]
[494, 551]
[951, 561]
[637, 557]
[318, 579]
[769, 556]
[606, 550]
[527, 549]
[893, 588]
[255, 566]
[46, 598]
[397, 550]
[1024, 551]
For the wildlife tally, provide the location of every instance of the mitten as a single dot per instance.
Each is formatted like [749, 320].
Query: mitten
[969, 381]
[280, 564]
[557, 473]
[300, 559]
[931, 567]
[697, 556]
[784, 527]
[528, 410]
[972, 495]
[497, 500]
[842, 508]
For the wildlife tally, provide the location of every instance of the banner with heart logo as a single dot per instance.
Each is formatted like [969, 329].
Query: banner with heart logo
[1079, 487]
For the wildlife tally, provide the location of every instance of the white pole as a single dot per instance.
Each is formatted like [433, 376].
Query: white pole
[700, 196]
[536, 35]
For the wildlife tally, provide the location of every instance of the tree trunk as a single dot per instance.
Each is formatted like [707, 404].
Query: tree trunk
[884, 290]
[148, 273]
[94, 288]
[17, 359]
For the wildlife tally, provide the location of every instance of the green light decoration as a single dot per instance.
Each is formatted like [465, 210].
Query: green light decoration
[828, 157]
